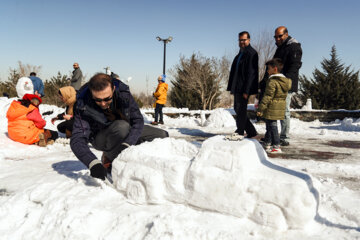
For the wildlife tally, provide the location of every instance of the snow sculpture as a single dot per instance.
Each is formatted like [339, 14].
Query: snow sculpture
[232, 178]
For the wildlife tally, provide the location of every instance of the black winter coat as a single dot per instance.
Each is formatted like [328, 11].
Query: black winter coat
[290, 53]
[247, 76]
[89, 119]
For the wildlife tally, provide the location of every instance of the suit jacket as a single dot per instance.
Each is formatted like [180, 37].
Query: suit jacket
[244, 77]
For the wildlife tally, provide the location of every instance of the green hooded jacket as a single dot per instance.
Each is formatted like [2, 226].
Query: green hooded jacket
[272, 106]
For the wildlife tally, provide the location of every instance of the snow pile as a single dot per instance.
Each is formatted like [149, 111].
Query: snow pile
[220, 118]
[225, 176]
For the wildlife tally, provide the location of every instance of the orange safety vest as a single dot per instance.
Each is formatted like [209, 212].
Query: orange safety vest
[20, 128]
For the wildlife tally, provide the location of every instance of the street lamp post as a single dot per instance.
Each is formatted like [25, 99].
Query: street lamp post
[169, 39]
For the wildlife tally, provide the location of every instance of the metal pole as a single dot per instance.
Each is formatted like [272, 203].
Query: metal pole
[164, 56]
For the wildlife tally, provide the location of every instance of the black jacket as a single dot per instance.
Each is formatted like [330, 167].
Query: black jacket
[290, 53]
[89, 119]
[247, 74]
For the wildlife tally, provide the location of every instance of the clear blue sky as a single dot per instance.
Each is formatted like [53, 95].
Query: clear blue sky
[121, 34]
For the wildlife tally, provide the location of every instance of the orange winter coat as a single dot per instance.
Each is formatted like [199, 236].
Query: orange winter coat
[161, 93]
[24, 123]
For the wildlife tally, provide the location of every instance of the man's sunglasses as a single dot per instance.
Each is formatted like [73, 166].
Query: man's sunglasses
[278, 36]
[103, 99]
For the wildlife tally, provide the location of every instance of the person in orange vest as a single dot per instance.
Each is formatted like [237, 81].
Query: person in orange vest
[25, 124]
[161, 95]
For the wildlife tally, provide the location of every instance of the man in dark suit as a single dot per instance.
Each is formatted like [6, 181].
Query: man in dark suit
[243, 82]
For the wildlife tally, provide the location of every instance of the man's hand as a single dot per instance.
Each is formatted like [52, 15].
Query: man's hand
[259, 114]
[245, 95]
[67, 117]
[98, 171]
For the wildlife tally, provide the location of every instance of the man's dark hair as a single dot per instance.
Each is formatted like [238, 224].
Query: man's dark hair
[276, 62]
[99, 82]
[245, 32]
[32, 74]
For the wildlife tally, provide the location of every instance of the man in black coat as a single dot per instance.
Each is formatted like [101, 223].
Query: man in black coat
[108, 117]
[290, 52]
[243, 82]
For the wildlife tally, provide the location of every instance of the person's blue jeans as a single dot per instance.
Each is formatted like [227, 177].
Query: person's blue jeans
[285, 124]
[158, 111]
[272, 134]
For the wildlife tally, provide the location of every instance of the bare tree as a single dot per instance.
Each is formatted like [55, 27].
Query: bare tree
[25, 69]
[198, 82]
[264, 44]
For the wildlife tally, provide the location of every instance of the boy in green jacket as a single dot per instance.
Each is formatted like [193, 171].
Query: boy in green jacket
[272, 106]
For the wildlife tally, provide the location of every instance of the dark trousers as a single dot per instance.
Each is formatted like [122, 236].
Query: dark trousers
[272, 133]
[158, 111]
[66, 125]
[109, 139]
[242, 121]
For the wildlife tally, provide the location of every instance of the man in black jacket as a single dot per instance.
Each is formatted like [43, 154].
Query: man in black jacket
[108, 117]
[243, 82]
[290, 52]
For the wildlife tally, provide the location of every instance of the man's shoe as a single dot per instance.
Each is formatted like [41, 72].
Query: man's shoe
[155, 123]
[161, 122]
[284, 143]
[251, 135]
[234, 137]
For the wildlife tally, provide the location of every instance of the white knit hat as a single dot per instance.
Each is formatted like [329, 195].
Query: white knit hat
[24, 86]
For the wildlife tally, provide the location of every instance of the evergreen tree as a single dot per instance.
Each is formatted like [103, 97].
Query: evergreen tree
[9, 87]
[52, 87]
[336, 87]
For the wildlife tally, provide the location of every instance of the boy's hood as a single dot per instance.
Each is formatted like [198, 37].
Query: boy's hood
[285, 83]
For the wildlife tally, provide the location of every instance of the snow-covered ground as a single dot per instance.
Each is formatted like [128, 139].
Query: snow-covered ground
[186, 188]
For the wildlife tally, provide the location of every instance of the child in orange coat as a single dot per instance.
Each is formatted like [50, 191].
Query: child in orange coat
[25, 124]
[161, 95]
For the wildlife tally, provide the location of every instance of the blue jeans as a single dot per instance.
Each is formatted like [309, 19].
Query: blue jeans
[285, 124]
[272, 134]
[158, 111]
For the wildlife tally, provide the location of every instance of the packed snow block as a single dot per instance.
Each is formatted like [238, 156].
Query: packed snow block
[220, 118]
[156, 177]
[236, 178]
[230, 177]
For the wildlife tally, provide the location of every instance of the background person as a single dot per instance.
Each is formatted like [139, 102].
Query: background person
[160, 95]
[68, 96]
[38, 84]
[25, 124]
[77, 77]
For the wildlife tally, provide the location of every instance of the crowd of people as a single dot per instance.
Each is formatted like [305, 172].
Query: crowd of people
[103, 112]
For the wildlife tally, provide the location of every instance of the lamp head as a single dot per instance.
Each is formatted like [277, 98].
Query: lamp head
[158, 38]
